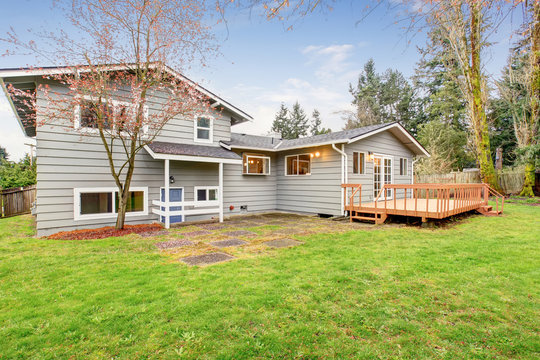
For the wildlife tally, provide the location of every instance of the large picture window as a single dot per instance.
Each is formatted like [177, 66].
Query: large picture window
[203, 129]
[359, 163]
[256, 164]
[101, 203]
[296, 165]
[90, 113]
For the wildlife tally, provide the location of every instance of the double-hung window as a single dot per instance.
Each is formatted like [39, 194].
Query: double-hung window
[359, 163]
[101, 203]
[296, 165]
[403, 165]
[203, 131]
[256, 164]
[206, 196]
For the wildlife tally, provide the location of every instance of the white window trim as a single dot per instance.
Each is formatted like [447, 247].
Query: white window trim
[205, 203]
[77, 203]
[406, 167]
[297, 155]
[258, 157]
[211, 132]
[115, 103]
[364, 165]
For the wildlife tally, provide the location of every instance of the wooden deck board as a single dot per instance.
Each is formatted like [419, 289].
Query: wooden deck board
[419, 207]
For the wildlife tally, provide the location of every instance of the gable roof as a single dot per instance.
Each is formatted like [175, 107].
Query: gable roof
[29, 128]
[266, 143]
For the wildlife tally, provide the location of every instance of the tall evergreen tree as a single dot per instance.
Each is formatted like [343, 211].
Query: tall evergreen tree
[381, 98]
[3, 153]
[316, 122]
[291, 124]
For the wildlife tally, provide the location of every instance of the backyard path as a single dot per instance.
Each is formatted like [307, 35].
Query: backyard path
[245, 236]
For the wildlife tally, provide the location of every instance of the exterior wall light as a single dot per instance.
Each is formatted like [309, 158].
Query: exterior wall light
[171, 179]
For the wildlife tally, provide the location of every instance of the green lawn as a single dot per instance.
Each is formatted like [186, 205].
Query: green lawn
[468, 291]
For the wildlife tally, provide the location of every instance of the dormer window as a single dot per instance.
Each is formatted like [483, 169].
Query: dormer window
[203, 129]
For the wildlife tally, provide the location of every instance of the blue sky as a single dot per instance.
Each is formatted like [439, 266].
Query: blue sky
[262, 64]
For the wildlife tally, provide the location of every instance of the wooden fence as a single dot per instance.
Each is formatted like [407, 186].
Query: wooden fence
[17, 201]
[510, 180]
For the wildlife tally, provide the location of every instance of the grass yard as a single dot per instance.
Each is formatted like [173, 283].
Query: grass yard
[468, 291]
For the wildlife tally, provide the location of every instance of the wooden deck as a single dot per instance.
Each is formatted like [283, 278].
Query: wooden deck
[435, 201]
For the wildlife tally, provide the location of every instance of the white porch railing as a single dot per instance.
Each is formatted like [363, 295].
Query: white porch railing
[163, 209]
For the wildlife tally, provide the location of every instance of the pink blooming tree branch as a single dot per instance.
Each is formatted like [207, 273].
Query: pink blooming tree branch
[119, 76]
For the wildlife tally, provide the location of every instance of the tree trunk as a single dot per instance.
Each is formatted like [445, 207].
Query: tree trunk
[528, 184]
[122, 207]
[478, 106]
[529, 180]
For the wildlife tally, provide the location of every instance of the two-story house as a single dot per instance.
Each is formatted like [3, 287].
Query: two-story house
[202, 169]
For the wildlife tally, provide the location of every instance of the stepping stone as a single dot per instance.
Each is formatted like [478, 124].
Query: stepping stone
[281, 243]
[240, 233]
[173, 244]
[228, 243]
[153, 233]
[213, 226]
[196, 233]
[207, 259]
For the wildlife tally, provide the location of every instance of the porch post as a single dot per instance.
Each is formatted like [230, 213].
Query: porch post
[220, 192]
[167, 207]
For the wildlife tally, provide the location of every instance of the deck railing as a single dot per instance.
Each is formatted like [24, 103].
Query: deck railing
[422, 200]
[164, 210]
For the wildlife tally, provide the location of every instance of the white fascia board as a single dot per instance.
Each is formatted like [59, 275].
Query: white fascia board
[225, 146]
[391, 126]
[13, 108]
[205, 159]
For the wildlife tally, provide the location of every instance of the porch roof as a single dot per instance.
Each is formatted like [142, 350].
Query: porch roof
[189, 152]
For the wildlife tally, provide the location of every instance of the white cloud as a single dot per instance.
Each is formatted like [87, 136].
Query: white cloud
[324, 87]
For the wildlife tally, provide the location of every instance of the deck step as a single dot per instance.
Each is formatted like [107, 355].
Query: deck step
[486, 208]
[368, 218]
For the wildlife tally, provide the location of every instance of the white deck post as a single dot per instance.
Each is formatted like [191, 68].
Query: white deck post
[167, 207]
[220, 192]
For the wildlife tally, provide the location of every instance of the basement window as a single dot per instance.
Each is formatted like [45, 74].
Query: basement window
[103, 203]
[255, 164]
[206, 195]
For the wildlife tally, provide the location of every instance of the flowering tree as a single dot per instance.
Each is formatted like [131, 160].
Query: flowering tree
[122, 91]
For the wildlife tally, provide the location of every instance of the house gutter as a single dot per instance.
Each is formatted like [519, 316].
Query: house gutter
[344, 172]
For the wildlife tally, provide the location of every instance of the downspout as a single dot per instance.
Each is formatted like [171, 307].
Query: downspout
[343, 173]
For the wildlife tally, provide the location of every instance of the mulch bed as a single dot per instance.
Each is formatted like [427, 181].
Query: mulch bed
[228, 243]
[173, 244]
[207, 259]
[105, 232]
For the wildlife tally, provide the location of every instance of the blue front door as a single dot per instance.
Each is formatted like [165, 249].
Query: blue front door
[175, 194]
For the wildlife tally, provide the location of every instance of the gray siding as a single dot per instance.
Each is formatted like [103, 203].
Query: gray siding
[258, 192]
[384, 143]
[67, 160]
[316, 193]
